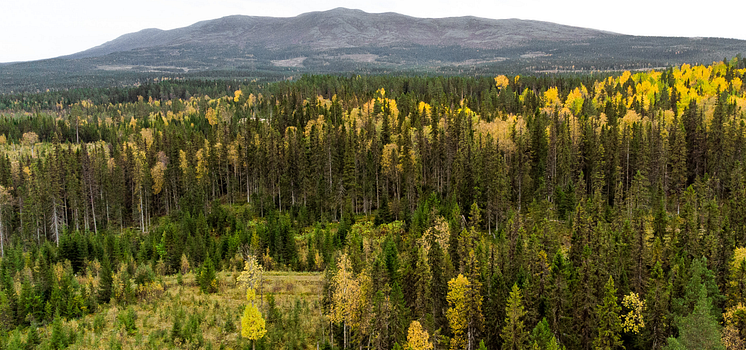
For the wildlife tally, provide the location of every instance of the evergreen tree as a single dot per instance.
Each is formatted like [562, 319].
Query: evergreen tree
[105, 284]
[610, 325]
[514, 335]
[698, 330]
[542, 337]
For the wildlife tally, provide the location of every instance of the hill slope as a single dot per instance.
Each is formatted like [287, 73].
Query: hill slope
[344, 28]
[353, 41]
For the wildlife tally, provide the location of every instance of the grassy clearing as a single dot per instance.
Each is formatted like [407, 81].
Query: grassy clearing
[183, 317]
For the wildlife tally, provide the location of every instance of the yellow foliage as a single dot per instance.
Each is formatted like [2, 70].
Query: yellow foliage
[390, 162]
[211, 116]
[3, 139]
[201, 164]
[501, 81]
[183, 162]
[458, 311]
[500, 130]
[319, 123]
[574, 101]
[633, 321]
[440, 231]
[252, 323]
[236, 95]
[551, 97]
[157, 173]
[418, 338]
[147, 136]
[624, 77]
[252, 273]
[30, 138]
[730, 336]
[631, 117]
[736, 84]
[422, 106]
[346, 291]
[739, 255]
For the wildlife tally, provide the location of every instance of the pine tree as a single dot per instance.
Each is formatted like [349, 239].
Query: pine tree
[698, 330]
[514, 334]
[105, 285]
[423, 279]
[558, 295]
[542, 337]
[610, 325]
[657, 316]
[206, 278]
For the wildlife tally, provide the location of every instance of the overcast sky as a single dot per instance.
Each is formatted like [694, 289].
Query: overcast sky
[38, 29]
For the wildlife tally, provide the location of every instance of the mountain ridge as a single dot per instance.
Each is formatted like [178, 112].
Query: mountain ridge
[348, 28]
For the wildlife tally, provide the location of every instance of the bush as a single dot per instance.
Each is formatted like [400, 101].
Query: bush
[99, 323]
[206, 278]
[32, 339]
[144, 275]
[189, 333]
[127, 319]
[59, 338]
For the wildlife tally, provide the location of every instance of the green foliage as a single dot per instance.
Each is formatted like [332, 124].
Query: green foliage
[105, 285]
[514, 335]
[570, 181]
[99, 323]
[206, 277]
[698, 330]
[127, 319]
[59, 338]
[610, 325]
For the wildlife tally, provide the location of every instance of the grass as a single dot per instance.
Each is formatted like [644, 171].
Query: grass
[183, 317]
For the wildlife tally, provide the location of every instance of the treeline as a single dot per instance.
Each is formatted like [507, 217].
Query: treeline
[159, 89]
[498, 203]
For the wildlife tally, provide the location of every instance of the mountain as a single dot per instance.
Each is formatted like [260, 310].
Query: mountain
[353, 41]
[344, 28]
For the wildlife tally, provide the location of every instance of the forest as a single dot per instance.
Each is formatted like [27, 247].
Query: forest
[595, 211]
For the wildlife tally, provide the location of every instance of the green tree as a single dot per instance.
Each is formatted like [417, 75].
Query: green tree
[698, 330]
[542, 337]
[206, 278]
[514, 334]
[610, 325]
[105, 284]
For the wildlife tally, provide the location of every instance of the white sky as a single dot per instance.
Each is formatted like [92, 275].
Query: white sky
[38, 29]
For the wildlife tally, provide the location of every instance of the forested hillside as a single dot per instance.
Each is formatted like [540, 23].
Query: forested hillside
[515, 212]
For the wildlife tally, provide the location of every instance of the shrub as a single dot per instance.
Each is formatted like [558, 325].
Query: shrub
[127, 319]
[144, 274]
[206, 278]
[99, 323]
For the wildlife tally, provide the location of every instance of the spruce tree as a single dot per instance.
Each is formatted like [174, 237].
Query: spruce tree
[514, 335]
[700, 329]
[105, 284]
[609, 324]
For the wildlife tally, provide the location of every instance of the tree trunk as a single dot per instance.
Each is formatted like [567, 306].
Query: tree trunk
[2, 236]
[93, 209]
[55, 220]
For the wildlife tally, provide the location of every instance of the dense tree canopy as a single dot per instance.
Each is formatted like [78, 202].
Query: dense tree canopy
[479, 208]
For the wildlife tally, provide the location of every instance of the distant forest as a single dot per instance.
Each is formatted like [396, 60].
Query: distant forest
[509, 212]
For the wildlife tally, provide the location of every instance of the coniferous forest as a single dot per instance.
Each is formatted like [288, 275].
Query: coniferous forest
[602, 211]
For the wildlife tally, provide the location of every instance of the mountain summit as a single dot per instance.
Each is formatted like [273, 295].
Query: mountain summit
[345, 28]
